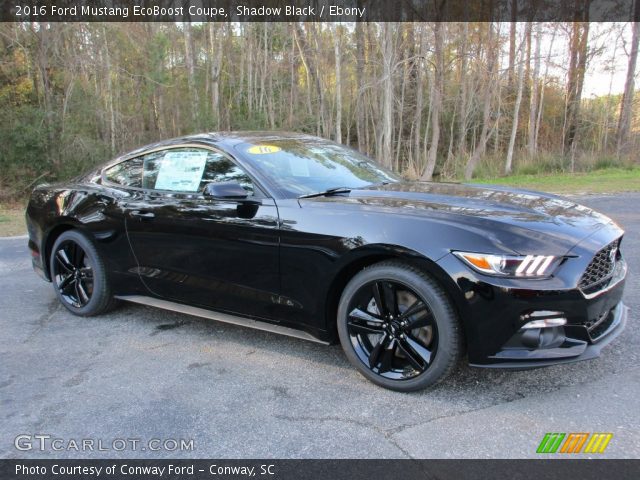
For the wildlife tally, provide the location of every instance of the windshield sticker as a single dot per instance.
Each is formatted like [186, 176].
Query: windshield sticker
[181, 171]
[262, 149]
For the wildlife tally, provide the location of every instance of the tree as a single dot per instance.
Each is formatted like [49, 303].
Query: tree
[436, 101]
[535, 92]
[360, 104]
[577, 66]
[215, 65]
[338, 54]
[516, 116]
[624, 124]
[191, 82]
[488, 89]
[388, 51]
[419, 97]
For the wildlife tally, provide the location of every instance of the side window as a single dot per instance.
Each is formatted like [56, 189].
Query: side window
[185, 170]
[219, 168]
[127, 173]
[175, 170]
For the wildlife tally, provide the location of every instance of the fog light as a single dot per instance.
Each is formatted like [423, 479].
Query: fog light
[543, 319]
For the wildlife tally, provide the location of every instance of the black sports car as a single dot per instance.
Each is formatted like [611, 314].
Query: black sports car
[298, 235]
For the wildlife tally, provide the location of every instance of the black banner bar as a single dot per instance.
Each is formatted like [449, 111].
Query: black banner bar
[315, 10]
[320, 469]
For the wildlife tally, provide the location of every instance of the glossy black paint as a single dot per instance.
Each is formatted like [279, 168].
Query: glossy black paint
[286, 261]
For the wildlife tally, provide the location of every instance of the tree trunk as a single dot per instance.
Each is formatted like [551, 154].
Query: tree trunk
[480, 147]
[386, 125]
[337, 51]
[543, 86]
[533, 105]
[360, 106]
[112, 118]
[417, 120]
[464, 82]
[188, 56]
[215, 50]
[512, 42]
[436, 102]
[624, 124]
[577, 67]
[44, 40]
[516, 114]
[311, 67]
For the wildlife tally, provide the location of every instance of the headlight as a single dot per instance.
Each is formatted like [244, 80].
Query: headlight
[510, 265]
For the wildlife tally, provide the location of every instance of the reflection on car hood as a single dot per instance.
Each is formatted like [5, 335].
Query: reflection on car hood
[486, 208]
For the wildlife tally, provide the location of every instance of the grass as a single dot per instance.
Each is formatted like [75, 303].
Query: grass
[12, 220]
[609, 180]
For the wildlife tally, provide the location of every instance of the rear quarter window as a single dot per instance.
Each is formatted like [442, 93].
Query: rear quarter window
[127, 173]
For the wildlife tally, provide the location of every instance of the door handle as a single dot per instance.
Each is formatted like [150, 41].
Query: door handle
[142, 214]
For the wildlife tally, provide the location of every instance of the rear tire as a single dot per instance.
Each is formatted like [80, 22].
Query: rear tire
[398, 327]
[79, 276]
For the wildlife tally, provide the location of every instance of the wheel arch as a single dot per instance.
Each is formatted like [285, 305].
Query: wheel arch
[369, 256]
[50, 239]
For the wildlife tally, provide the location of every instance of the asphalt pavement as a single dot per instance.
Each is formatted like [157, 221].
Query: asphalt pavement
[145, 377]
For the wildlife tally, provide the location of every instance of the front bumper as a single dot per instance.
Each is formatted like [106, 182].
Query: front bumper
[570, 351]
[495, 310]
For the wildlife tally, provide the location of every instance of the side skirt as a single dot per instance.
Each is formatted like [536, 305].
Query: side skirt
[220, 317]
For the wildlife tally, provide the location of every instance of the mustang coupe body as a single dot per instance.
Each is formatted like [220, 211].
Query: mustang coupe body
[302, 236]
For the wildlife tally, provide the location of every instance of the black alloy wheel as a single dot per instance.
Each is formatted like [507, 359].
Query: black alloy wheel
[397, 327]
[79, 276]
[73, 274]
[392, 330]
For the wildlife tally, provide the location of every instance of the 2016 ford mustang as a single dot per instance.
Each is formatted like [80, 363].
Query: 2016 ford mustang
[301, 236]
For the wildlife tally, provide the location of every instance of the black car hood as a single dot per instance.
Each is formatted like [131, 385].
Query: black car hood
[550, 219]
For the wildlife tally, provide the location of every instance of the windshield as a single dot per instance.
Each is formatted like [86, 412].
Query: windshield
[300, 166]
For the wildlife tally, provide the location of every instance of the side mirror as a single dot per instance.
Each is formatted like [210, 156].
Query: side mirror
[225, 191]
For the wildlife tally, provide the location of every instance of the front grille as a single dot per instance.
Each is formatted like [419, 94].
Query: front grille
[601, 269]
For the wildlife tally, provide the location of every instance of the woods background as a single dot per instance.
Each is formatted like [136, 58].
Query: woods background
[429, 100]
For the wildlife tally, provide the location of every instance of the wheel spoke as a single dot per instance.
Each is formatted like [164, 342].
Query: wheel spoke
[362, 315]
[364, 329]
[374, 356]
[423, 320]
[70, 290]
[386, 299]
[390, 298]
[416, 307]
[82, 294]
[63, 260]
[87, 285]
[414, 359]
[378, 296]
[386, 362]
[361, 321]
[77, 255]
[66, 281]
[415, 351]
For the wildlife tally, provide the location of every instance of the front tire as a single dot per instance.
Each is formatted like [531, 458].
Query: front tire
[398, 327]
[78, 275]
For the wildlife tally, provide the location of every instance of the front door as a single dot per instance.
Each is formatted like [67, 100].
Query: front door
[220, 254]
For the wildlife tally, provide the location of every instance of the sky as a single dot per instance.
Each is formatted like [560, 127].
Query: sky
[614, 57]
[608, 47]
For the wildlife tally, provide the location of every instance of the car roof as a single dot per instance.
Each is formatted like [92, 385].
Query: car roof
[222, 139]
